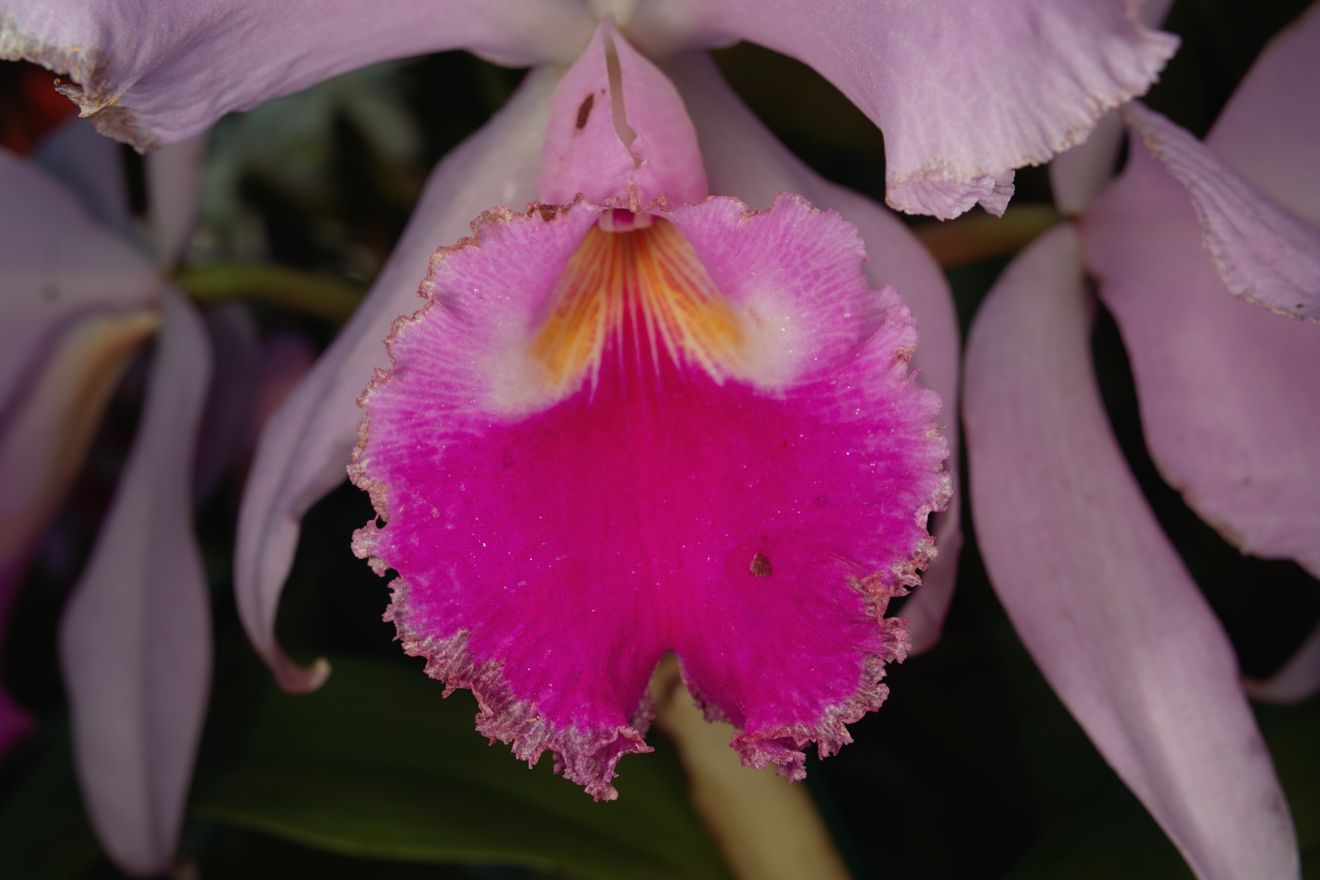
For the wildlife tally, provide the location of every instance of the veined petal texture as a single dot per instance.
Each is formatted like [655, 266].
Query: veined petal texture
[1077, 174]
[1263, 252]
[964, 93]
[1095, 590]
[153, 73]
[694, 432]
[744, 159]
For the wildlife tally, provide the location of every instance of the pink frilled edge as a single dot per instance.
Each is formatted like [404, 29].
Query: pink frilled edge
[551, 547]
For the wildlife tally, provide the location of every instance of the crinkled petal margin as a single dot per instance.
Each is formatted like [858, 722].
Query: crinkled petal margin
[152, 73]
[587, 757]
[428, 629]
[964, 93]
[1264, 253]
[785, 746]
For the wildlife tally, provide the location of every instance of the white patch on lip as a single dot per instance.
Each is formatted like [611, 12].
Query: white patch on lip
[773, 357]
[517, 384]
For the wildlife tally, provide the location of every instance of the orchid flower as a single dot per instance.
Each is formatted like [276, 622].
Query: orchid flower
[83, 291]
[1208, 257]
[964, 95]
[635, 420]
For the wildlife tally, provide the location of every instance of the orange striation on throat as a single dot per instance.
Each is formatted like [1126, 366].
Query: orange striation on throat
[641, 292]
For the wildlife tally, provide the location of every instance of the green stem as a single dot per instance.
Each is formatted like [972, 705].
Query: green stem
[767, 827]
[320, 296]
[979, 236]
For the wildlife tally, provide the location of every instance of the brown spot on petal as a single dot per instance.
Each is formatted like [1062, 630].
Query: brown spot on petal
[548, 212]
[584, 111]
[760, 566]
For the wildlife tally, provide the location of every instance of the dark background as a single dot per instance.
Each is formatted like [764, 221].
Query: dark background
[972, 768]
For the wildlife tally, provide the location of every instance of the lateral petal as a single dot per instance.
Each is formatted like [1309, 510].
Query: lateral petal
[1264, 253]
[306, 445]
[1268, 130]
[964, 93]
[153, 73]
[135, 639]
[1228, 401]
[1095, 591]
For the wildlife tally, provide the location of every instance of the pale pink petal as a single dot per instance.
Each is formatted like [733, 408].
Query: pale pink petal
[1227, 392]
[618, 132]
[744, 159]
[1078, 173]
[306, 446]
[1269, 130]
[135, 639]
[152, 72]
[1096, 592]
[75, 303]
[174, 192]
[1297, 681]
[1264, 253]
[964, 92]
[744, 481]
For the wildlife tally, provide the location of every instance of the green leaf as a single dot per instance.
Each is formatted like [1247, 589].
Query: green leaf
[377, 765]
